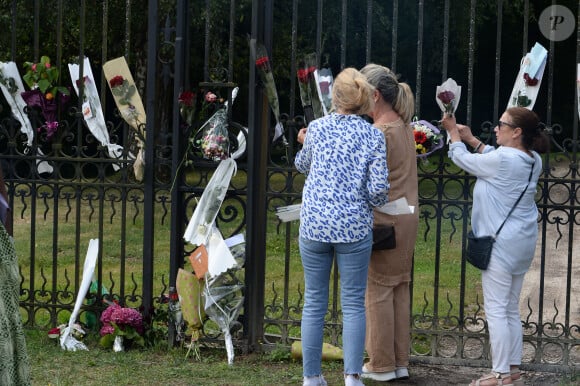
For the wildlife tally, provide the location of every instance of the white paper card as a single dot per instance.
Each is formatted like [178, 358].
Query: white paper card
[399, 206]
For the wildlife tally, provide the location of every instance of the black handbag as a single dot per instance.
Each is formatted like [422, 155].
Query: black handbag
[384, 237]
[479, 248]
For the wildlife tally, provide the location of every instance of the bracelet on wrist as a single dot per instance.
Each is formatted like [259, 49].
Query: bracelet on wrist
[475, 149]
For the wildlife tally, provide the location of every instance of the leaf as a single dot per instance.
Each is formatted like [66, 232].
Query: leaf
[43, 85]
[107, 340]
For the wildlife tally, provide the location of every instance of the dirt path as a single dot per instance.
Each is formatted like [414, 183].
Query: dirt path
[556, 267]
[430, 375]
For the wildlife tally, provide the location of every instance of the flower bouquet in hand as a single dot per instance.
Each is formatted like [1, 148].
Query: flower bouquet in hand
[44, 93]
[447, 96]
[428, 138]
[121, 324]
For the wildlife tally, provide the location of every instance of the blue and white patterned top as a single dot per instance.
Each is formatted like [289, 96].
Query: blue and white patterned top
[344, 158]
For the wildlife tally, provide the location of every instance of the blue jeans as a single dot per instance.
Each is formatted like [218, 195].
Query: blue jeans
[353, 261]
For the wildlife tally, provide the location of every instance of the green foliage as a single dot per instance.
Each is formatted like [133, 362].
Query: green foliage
[44, 76]
[128, 333]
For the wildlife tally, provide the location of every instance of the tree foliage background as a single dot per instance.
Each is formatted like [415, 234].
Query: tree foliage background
[119, 27]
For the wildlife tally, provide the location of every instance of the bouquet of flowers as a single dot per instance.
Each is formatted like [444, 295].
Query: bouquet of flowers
[223, 292]
[527, 84]
[119, 324]
[91, 107]
[187, 106]
[428, 138]
[309, 93]
[215, 142]
[130, 106]
[267, 78]
[201, 222]
[44, 93]
[447, 96]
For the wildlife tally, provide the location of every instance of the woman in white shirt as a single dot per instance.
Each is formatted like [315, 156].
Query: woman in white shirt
[502, 174]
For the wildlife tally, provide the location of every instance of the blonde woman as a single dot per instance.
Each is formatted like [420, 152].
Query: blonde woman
[344, 159]
[388, 303]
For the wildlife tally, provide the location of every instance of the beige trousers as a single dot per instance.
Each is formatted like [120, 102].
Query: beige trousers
[388, 326]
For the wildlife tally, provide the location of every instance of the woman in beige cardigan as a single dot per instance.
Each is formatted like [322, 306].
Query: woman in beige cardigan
[388, 289]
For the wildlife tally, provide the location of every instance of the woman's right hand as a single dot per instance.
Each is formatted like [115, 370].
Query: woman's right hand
[301, 135]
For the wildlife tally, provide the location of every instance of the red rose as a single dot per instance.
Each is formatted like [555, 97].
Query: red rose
[116, 81]
[263, 63]
[186, 98]
[529, 80]
[303, 75]
[446, 97]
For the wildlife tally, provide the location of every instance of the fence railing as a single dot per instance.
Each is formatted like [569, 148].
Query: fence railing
[204, 46]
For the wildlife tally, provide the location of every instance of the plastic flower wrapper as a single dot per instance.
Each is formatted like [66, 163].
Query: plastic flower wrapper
[309, 95]
[324, 81]
[428, 138]
[92, 110]
[189, 289]
[529, 78]
[12, 88]
[67, 339]
[267, 78]
[200, 224]
[223, 292]
[215, 141]
[187, 106]
[448, 96]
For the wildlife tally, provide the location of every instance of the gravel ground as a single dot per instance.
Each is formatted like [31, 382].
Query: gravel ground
[437, 375]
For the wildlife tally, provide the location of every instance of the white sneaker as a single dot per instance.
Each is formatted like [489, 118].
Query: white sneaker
[351, 380]
[381, 377]
[402, 373]
[317, 380]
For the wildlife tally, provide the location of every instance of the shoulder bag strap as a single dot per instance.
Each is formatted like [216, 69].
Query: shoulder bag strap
[518, 200]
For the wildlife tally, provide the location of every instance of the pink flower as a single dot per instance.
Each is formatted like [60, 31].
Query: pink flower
[47, 64]
[51, 128]
[106, 315]
[34, 67]
[107, 329]
[210, 97]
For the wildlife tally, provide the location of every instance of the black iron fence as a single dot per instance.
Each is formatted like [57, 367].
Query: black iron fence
[68, 190]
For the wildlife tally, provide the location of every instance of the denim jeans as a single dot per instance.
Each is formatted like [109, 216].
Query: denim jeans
[353, 261]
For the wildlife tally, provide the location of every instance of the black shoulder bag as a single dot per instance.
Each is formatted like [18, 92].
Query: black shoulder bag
[479, 248]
